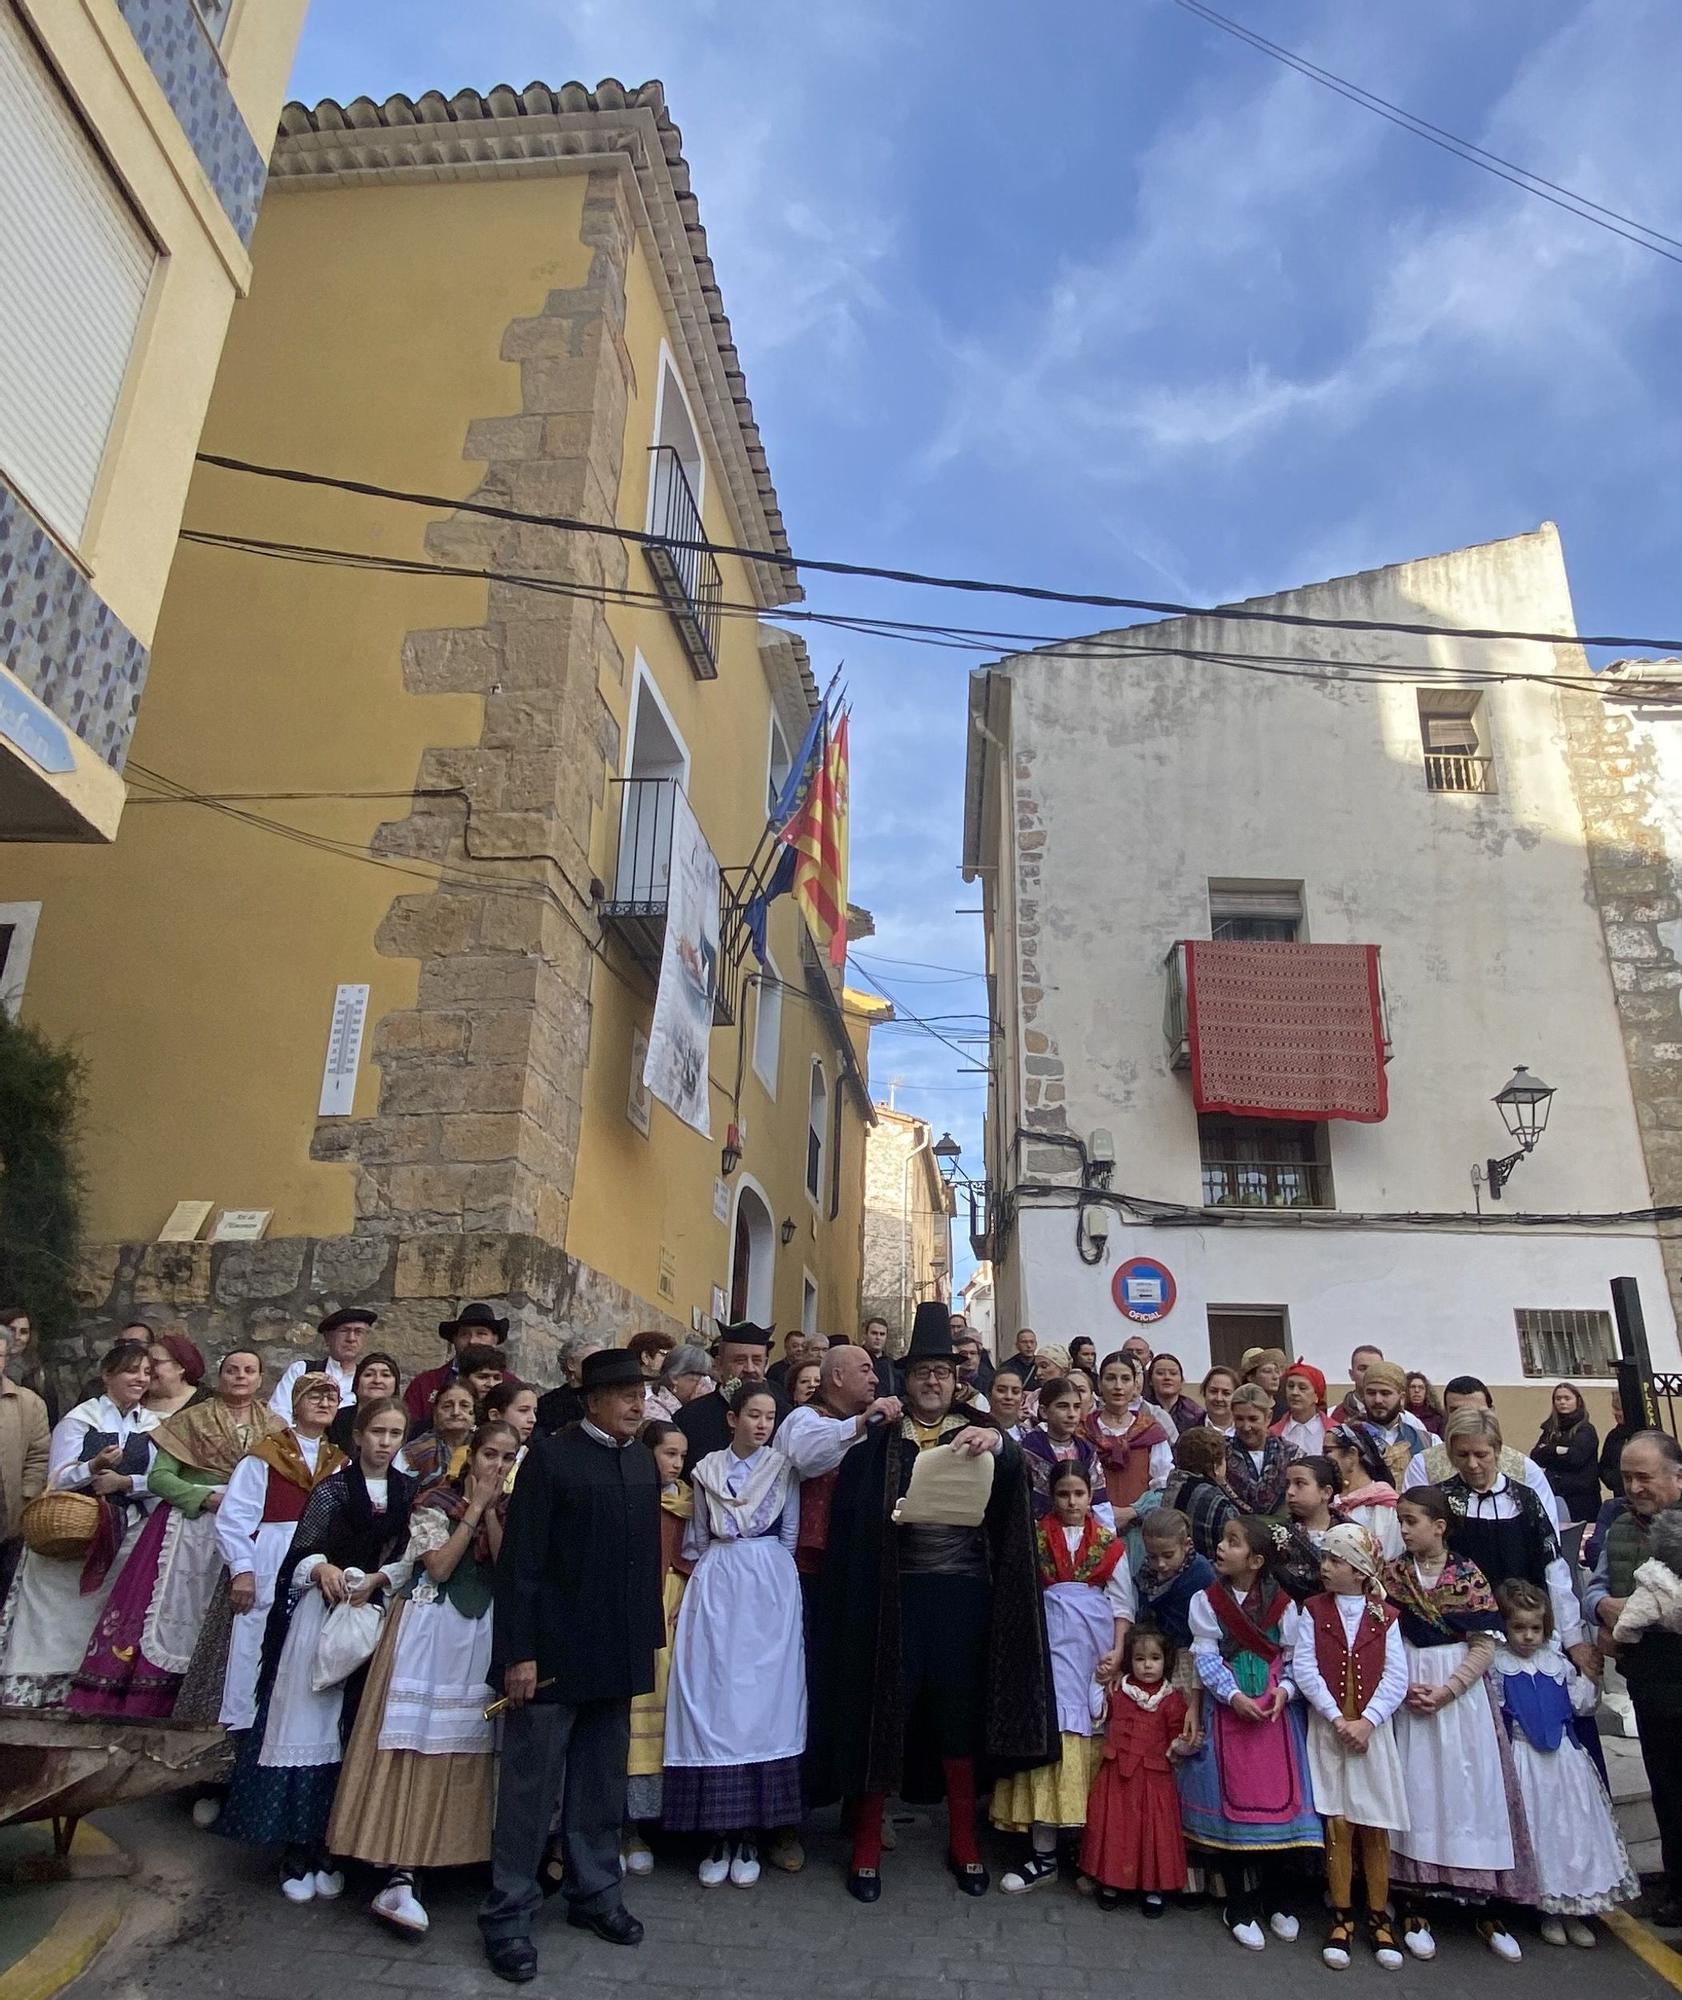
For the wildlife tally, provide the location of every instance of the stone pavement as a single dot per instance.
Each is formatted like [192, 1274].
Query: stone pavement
[219, 1926]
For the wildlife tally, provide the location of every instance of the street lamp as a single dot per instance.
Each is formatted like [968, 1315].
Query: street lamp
[948, 1152]
[1524, 1104]
[786, 1232]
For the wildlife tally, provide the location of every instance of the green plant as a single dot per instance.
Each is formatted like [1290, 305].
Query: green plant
[41, 1185]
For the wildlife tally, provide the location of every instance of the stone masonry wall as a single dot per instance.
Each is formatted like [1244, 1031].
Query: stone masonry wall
[1043, 1079]
[1631, 825]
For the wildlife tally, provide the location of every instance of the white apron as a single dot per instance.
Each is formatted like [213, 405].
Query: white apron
[189, 1567]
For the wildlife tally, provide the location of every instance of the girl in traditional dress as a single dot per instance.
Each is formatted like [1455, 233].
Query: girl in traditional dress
[348, 1549]
[1133, 1842]
[514, 1404]
[1349, 1664]
[1368, 1499]
[104, 1448]
[1582, 1866]
[1172, 1575]
[1466, 1835]
[644, 1773]
[1245, 1796]
[1311, 1511]
[1058, 1439]
[145, 1638]
[1134, 1449]
[1087, 1593]
[419, 1780]
[376, 1380]
[255, 1521]
[441, 1452]
[736, 1701]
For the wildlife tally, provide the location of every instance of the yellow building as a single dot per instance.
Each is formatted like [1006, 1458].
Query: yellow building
[378, 948]
[133, 136]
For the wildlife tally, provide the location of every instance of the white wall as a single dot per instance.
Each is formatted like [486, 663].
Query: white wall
[1154, 774]
[1435, 1300]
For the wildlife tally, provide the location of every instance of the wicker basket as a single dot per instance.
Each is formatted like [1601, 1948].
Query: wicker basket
[61, 1525]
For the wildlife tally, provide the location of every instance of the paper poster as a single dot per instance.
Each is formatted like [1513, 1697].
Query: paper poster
[676, 1066]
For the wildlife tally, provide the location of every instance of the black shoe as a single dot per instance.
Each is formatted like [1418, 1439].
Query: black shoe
[615, 1926]
[1666, 1916]
[1109, 1899]
[864, 1885]
[513, 1959]
[1155, 1906]
[971, 1877]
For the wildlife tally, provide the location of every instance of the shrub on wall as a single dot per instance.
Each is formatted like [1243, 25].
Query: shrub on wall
[40, 1182]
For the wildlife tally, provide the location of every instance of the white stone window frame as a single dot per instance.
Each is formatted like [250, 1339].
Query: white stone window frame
[768, 1026]
[22, 919]
[668, 379]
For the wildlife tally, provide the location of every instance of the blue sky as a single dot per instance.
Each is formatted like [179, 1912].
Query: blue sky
[1115, 303]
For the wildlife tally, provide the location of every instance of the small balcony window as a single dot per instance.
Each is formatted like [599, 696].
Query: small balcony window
[686, 576]
[1256, 912]
[1457, 755]
[1264, 1163]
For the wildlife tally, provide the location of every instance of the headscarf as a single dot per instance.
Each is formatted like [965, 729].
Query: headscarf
[1312, 1376]
[1353, 1544]
[184, 1354]
[313, 1378]
[1358, 1439]
[1386, 1375]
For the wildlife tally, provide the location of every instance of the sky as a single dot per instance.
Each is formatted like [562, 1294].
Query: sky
[1112, 302]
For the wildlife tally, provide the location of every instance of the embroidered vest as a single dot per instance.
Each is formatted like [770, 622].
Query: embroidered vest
[283, 1501]
[1351, 1673]
[816, 1498]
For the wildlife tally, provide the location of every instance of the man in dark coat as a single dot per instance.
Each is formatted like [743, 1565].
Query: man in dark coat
[739, 1357]
[929, 1656]
[578, 1622]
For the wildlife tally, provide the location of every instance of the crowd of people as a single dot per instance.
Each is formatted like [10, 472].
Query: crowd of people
[1237, 1643]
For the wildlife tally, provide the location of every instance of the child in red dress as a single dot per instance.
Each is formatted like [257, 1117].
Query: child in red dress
[1133, 1840]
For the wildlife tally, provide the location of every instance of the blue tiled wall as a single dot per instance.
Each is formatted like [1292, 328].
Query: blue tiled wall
[61, 638]
[179, 55]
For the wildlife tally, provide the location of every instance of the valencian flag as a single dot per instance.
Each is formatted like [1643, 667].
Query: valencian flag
[810, 817]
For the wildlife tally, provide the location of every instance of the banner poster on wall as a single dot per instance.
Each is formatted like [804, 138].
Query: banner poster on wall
[675, 1069]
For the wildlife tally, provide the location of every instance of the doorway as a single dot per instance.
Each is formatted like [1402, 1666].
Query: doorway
[751, 1274]
[1234, 1329]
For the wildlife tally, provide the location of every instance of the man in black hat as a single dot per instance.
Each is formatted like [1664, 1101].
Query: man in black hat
[739, 1357]
[929, 1650]
[577, 1624]
[342, 1334]
[477, 1326]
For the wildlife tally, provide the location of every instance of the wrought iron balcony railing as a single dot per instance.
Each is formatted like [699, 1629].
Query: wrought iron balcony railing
[686, 576]
[636, 904]
[1264, 1184]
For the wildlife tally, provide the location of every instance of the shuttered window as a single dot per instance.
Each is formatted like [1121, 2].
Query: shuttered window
[74, 267]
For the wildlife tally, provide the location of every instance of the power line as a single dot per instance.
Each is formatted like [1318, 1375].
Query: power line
[969, 639]
[1040, 593]
[1641, 234]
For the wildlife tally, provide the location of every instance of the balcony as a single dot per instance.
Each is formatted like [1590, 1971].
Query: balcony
[635, 906]
[1265, 1184]
[1176, 1021]
[1458, 771]
[686, 577]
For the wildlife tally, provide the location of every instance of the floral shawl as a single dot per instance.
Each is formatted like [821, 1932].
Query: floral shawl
[1094, 1560]
[279, 1452]
[1457, 1605]
[205, 1436]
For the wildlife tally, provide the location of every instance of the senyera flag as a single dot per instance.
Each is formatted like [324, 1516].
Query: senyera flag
[818, 836]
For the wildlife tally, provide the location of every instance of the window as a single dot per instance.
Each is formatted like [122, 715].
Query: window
[817, 1123]
[1255, 912]
[77, 267]
[835, 1144]
[1456, 756]
[656, 764]
[1234, 1330]
[17, 941]
[1555, 1343]
[779, 762]
[768, 1025]
[1264, 1163]
[808, 1305]
[214, 14]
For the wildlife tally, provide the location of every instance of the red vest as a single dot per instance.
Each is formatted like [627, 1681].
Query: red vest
[283, 1501]
[816, 1497]
[1351, 1674]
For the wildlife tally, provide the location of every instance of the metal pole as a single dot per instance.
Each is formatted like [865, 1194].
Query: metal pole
[1635, 1363]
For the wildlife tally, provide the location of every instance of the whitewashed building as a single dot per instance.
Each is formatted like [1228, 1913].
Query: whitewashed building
[1199, 782]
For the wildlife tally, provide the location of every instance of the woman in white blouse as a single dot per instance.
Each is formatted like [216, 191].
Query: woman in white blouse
[102, 1448]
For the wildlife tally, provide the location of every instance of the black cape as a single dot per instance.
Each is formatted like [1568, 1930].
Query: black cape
[578, 1580]
[857, 1733]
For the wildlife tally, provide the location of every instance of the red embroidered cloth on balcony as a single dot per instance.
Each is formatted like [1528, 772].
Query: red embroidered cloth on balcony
[1286, 1030]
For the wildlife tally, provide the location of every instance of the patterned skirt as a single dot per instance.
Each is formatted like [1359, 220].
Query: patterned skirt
[732, 1798]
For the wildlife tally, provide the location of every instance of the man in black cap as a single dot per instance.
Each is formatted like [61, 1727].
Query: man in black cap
[739, 1357]
[477, 1326]
[929, 1650]
[577, 1624]
[342, 1333]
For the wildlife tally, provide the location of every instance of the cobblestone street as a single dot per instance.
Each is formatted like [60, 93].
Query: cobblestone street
[209, 1921]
